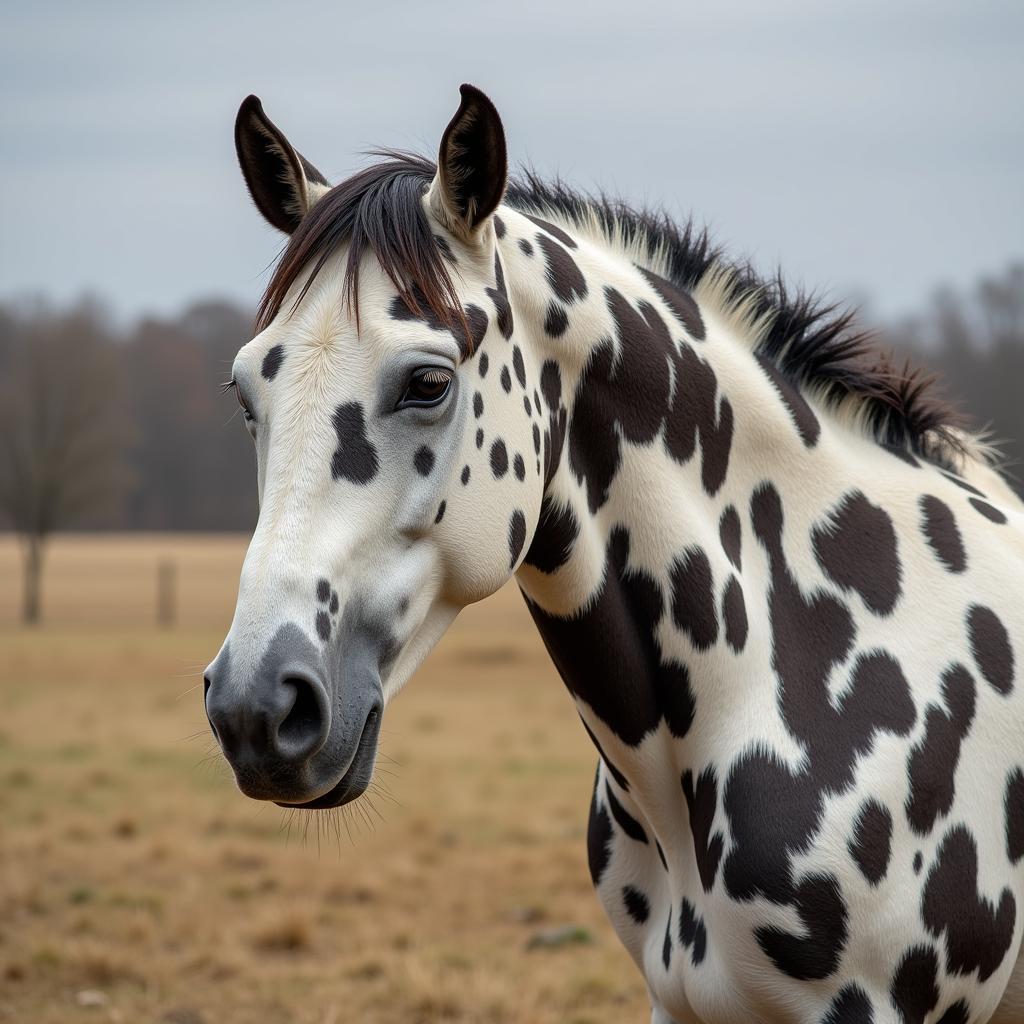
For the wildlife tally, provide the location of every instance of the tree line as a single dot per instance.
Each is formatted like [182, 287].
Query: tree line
[114, 428]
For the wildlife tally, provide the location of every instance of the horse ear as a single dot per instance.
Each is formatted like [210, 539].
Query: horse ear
[282, 182]
[472, 168]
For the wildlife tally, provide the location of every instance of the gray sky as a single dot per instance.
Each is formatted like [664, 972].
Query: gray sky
[870, 147]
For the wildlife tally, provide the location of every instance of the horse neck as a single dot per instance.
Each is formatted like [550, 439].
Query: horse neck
[661, 420]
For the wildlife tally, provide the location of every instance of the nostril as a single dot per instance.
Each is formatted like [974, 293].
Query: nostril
[206, 705]
[303, 730]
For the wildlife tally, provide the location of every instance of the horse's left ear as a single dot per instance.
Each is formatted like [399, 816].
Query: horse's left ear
[284, 185]
[472, 168]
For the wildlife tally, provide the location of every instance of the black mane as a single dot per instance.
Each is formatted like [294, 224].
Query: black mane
[816, 345]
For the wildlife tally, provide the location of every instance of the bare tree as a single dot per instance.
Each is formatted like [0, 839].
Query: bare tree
[976, 340]
[60, 440]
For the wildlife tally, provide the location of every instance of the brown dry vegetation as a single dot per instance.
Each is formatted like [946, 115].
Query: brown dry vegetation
[136, 884]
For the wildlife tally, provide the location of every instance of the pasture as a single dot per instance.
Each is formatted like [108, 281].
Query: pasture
[136, 884]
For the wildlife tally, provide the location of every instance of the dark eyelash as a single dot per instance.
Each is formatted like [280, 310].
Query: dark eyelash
[436, 376]
[228, 385]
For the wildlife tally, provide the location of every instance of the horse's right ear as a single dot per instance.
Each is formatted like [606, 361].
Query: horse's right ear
[284, 185]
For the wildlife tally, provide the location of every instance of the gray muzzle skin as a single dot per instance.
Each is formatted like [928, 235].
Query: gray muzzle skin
[302, 729]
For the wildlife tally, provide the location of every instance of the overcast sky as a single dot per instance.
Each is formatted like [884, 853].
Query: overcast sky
[872, 147]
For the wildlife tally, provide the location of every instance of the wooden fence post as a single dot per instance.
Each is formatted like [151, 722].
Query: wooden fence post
[166, 593]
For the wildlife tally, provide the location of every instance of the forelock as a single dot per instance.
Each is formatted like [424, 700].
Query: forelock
[378, 211]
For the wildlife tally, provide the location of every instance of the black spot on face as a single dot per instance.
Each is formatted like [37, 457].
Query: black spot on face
[914, 991]
[990, 512]
[476, 320]
[990, 644]
[527, 406]
[355, 458]
[636, 904]
[918, 862]
[478, 404]
[272, 362]
[978, 933]
[519, 467]
[506, 380]
[871, 842]
[666, 946]
[440, 512]
[857, 548]
[525, 247]
[536, 439]
[499, 459]
[323, 625]
[423, 460]
[499, 226]
[483, 365]
[556, 321]
[516, 536]
[693, 598]
[479, 437]
[465, 475]
[323, 591]
[939, 527]
[333, 606]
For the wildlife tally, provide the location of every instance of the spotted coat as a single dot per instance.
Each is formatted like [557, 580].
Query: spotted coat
[797, 652]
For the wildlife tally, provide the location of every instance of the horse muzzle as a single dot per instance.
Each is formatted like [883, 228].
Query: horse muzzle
[293, 731]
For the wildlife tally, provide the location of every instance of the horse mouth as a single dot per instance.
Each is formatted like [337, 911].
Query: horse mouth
[357, 776]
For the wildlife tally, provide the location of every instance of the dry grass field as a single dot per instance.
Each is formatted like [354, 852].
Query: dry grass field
[137, 885]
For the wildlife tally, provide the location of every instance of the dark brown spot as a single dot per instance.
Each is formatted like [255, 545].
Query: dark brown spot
[990, 512]
[939, 527]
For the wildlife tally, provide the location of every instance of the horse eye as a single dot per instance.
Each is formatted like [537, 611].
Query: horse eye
[232, 385]
[428, 386]
[246, 411]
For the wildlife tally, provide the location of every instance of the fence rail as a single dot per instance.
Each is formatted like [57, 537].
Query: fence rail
[129, 579]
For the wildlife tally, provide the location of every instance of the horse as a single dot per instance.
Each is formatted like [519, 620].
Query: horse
[781, 581]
